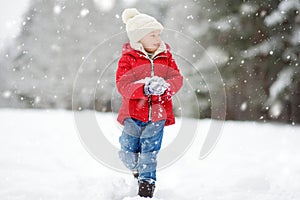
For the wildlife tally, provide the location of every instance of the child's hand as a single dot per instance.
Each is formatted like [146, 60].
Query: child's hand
[156, 86]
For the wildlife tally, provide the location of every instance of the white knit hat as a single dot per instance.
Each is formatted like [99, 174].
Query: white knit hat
[138, 25]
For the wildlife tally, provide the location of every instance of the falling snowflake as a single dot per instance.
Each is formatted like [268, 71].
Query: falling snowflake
[57, 9]
[84, 12]
[243, 106]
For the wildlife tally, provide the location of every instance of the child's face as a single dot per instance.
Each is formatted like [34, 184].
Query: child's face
[151, 41]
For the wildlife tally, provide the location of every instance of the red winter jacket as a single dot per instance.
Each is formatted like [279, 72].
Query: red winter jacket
[133, 66]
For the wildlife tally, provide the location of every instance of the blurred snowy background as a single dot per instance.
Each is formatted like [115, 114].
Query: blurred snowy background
[255, 45]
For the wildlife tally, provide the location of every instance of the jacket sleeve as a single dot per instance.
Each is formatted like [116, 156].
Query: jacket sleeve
[126, 80]
[174, 78]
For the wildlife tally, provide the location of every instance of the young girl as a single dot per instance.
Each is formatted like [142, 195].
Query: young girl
[147, 77]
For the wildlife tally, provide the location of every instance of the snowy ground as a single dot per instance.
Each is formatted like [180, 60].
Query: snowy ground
[41, 157]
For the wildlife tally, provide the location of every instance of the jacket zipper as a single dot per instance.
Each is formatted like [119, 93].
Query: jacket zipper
[152, 74]
[150, 97]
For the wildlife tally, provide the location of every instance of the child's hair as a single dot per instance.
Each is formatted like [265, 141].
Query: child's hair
[138, 25]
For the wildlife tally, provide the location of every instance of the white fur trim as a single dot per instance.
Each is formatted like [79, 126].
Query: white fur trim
[138, 46]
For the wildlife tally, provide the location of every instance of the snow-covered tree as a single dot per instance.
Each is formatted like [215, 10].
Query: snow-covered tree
[258, 40]
[284, 25]
[55, 39]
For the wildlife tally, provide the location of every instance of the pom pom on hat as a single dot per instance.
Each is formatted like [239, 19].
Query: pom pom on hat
[129, 14]
[138, 24]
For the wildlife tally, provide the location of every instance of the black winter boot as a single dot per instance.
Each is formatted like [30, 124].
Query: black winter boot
[146, 189]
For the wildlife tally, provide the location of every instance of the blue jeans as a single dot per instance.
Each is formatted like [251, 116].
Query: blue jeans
[140, 143]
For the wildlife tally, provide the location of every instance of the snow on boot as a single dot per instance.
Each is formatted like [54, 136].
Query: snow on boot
[146, 189]
[135, 174]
